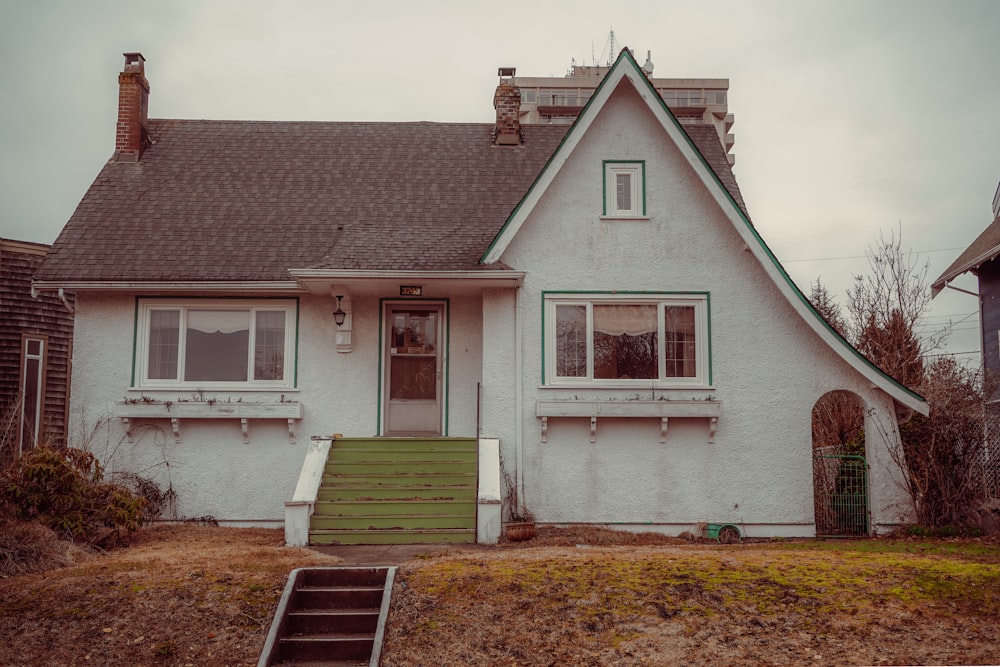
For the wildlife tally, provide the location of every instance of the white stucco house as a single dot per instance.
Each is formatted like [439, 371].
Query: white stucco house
[591, 304]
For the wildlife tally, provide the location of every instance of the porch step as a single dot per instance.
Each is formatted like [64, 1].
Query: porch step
[394, 522]
[440, 505]
[329, 616]
[388, 536]
[397, 491]
[345, 491]
[396, 478]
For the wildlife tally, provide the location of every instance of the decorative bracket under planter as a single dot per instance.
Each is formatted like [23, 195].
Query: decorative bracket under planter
[662, 410]
[241, 410]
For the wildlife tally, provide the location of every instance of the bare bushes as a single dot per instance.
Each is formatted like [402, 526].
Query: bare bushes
[27, 547]
[941, 452]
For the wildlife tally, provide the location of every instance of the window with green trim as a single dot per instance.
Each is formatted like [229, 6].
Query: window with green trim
[215, 343]
[624, 189]
[626, 340]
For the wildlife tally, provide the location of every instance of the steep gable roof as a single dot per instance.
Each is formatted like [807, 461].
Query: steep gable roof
[247, 201]
[626, 71]
[984, 249]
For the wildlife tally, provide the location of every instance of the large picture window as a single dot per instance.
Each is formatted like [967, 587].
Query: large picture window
[215, 343]
[627, 340]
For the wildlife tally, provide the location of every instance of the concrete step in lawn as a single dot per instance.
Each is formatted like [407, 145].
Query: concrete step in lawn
[331, 616]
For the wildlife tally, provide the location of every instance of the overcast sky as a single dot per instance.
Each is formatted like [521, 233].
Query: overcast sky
[853, 118]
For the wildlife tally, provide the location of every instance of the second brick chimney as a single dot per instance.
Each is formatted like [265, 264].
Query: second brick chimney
[132, 130]
[507, 102]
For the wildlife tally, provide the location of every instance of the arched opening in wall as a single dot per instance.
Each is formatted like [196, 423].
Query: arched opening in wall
[840, 471]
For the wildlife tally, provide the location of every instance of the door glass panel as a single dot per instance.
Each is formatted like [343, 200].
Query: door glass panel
[413, 378]
[413, 371]
[414, 332]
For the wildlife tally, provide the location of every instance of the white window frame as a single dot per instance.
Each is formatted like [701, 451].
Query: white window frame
[146, 306]
[636, 171]
[34, 420]
[700, 302]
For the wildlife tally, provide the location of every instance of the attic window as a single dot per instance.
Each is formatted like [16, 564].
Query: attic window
[625, 189]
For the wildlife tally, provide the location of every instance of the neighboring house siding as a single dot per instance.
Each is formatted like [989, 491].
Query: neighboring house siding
[989, 295]
[45, 318]
[768, 367]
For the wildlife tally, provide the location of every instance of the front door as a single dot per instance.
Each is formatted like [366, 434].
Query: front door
[413, 356]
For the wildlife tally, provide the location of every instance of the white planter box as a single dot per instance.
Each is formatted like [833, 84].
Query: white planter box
[241, 410]
[662, 410]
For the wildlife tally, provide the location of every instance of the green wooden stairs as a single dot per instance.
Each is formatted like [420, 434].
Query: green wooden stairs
[397, 491]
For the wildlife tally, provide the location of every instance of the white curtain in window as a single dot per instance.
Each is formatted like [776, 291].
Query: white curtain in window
[219, 321]
[619, 319]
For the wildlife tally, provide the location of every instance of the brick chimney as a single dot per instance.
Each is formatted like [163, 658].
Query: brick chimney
[132, 131]
[507, 102]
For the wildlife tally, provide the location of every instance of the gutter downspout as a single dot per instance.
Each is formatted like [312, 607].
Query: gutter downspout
[518, 399]
[61, 293]
[65, 302]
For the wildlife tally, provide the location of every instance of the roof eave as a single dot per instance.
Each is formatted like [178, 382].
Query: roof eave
[166, 286]
[942, 281]
[319, 281]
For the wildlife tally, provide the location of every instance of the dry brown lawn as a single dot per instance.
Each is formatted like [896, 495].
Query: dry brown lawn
[190, 595]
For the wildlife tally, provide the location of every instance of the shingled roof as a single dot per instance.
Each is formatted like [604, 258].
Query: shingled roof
[985, 248]
[247, 201]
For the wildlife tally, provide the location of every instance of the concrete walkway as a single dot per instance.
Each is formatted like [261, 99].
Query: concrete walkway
[392, 554]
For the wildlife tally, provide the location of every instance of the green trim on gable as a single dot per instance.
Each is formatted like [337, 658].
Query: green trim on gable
[742, 216]
[774, 260]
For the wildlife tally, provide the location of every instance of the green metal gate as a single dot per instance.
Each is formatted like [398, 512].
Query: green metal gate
[840, 484]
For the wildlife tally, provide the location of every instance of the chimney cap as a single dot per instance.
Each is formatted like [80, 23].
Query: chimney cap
[134, 61]
[506, 71]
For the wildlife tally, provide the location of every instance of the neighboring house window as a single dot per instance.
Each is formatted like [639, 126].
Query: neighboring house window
[215, 343]
[627, 340]
[32, 389]
[625, 189]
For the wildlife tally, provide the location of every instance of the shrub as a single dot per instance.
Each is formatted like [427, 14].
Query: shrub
[64, 490]
[31, 547]
[158, 502]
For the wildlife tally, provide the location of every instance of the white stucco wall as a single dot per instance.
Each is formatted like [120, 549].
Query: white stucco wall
[212, 470]
[768, 370]
[768, 367]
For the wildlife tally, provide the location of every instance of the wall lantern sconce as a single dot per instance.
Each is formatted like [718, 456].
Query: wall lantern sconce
[343, 317]
[339, 316]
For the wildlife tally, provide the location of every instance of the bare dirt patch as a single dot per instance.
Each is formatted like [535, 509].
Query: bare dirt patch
[200, 596]
[181, 595]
